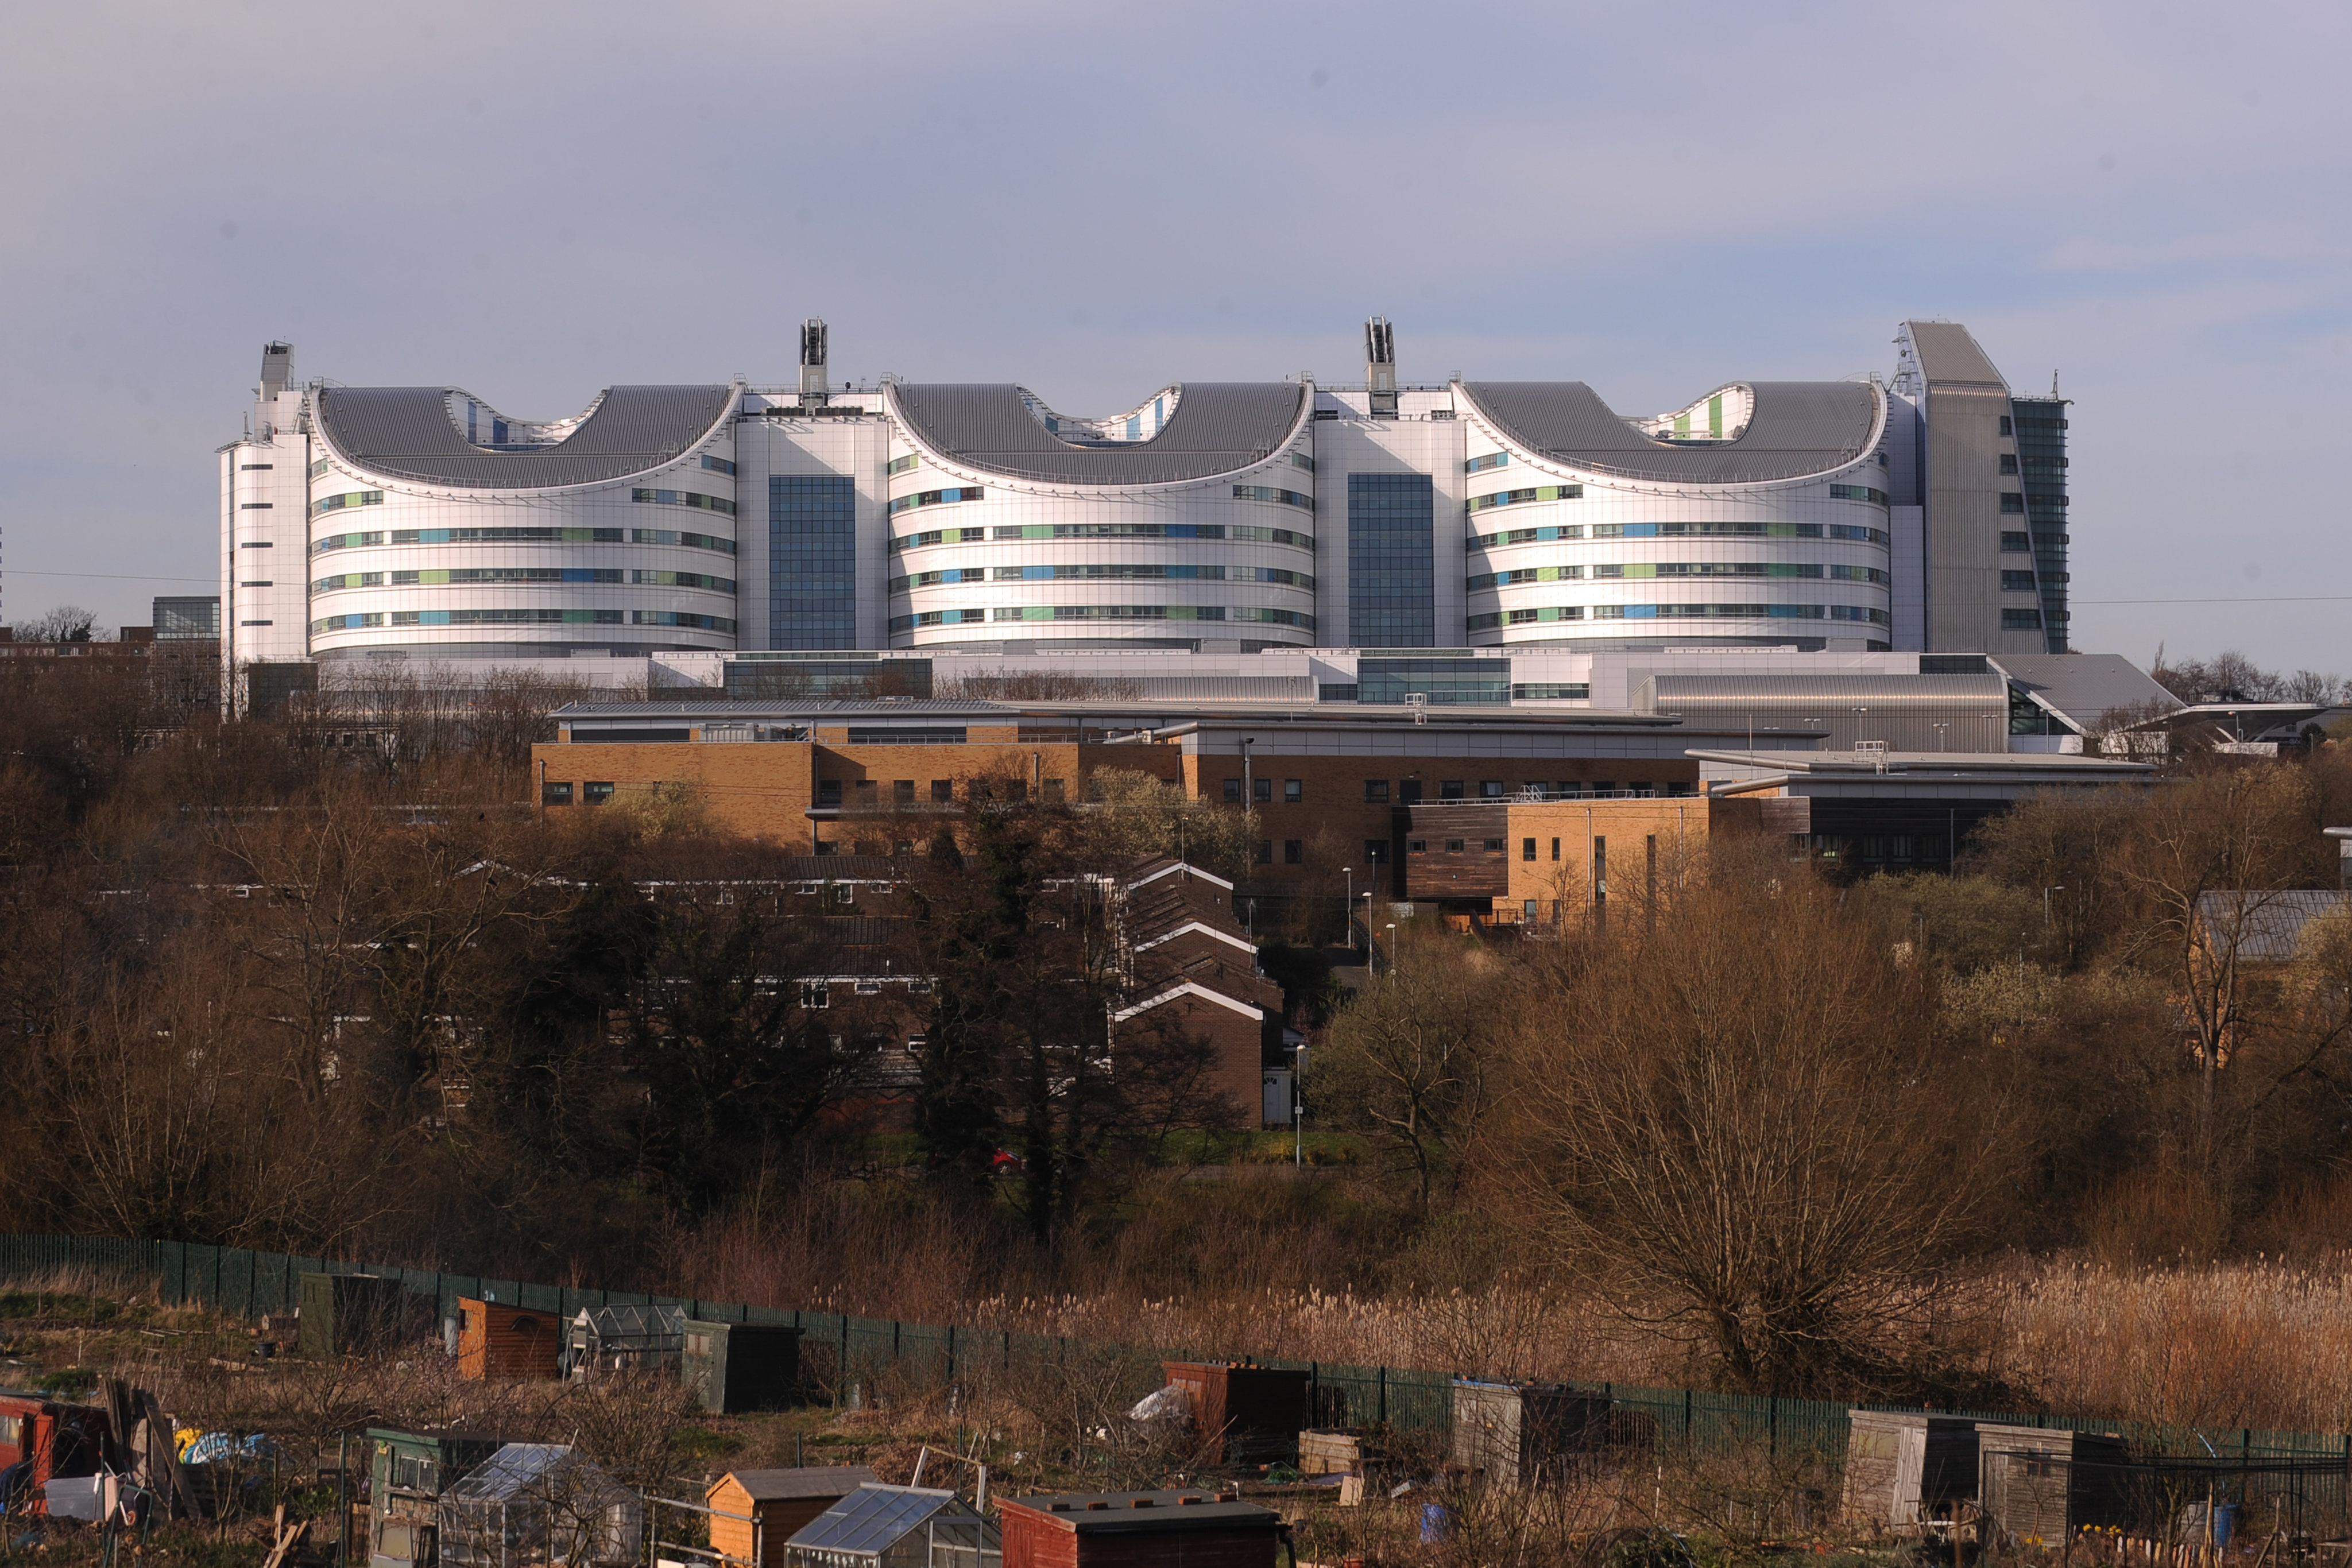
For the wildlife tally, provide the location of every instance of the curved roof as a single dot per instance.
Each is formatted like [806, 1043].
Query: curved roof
[1797, 428]
[405, 433]
[1218, 427]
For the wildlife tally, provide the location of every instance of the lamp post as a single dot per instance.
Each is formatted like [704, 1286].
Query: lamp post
[1939, 734]
[1348, 909]
[1391, 952]
[1299, 1106]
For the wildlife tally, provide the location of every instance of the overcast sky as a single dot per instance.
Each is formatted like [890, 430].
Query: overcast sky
[535, 201]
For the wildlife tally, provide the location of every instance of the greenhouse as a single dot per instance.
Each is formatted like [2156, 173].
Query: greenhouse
[540, 1505]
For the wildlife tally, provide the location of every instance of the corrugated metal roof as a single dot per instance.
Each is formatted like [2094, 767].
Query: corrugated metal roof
[874, 1518]
[1950, 355]
[405, 433]
[1797, 428]
[2270, 924]
[1219, 427]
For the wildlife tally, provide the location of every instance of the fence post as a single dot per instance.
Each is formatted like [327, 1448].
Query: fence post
[951, 1353]
[1384, 1406]
[1772, 1424]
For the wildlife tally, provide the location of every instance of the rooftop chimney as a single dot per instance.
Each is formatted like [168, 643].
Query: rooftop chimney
[813, 391]
[1380, 366]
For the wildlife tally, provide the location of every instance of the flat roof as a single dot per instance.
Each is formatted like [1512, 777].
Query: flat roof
[1103, 1512]
[1141, 714]
[1852, 763]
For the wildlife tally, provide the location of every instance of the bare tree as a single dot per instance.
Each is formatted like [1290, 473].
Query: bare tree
[1745, 1123]
[1413, 1060]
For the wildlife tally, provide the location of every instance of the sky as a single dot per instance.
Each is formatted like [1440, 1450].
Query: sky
[2146, 200]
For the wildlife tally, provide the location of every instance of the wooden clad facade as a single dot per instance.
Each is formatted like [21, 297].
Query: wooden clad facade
[770, 1505]
[1241, 1410]
[506, 1343]
[2040, 1484]
[1902, 1468]
[1133, 1529]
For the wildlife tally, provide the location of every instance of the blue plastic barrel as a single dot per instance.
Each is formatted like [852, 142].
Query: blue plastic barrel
[1436, 1523]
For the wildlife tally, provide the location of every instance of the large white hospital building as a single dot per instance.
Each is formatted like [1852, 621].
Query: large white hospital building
[1922, 512]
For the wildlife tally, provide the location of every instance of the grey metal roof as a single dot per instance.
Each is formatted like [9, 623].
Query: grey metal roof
[807, 1480]
[2084, 687]
[875, 1518]
[1218, 427]
[2270, 924]
[405, 433]
[1950, 355]
[1797, 428]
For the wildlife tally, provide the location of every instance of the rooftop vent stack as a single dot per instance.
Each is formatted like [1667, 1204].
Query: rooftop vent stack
[276, 370]
[813, 391]
[1380, 366]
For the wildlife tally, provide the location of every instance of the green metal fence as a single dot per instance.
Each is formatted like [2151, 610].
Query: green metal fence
[843, 1351]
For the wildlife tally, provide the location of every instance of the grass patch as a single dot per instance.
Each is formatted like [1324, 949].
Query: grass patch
[57, 1307]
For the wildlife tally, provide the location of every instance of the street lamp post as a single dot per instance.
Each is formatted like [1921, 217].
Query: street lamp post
[1350, 909]
[1299, 1106]
[1391, 952]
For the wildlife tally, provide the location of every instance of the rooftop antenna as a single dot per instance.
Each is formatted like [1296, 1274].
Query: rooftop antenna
[1380, 366]
[814, 391]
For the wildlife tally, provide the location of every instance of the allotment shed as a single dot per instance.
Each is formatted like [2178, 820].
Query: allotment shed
[355, 1314]
[895, 1527]
[2039, 1485]
[1518, 1433]
[1241, 1410]
[1902, 1468]
[1100, 1530]
[734, 1367]
[408, 1471]
[507, 1344]
[769, 1506]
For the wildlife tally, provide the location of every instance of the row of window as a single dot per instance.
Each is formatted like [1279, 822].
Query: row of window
[953, 494]
[1024, 532]
[2016, 582]
[1412, 791]
[905, 464]
[719, 504]
[2021, 620]
[454, 577]
[719, 464]
[1300, 460]
[1857, 493]
[1852, 532]
[327, 542]
[1677, 612]
[326, 504]
[1269, 493]
[1606, 570]
[1552, 690]
[1480, 464]
[524, 618]
[1279, 576]
[1535, 493]
[1262, 617]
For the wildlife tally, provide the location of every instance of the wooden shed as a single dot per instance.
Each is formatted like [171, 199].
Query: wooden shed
[1243, 1411]
[2040, 1484]
[1516, 1433]
[1902, 1468]
[734, 1367]
[355, 1314]
[1100, 1530]
[407, 1473]
[509, 1344]
[769, 1506]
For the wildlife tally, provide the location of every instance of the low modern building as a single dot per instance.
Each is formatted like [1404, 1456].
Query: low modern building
[1220, 518]
[1502, 812]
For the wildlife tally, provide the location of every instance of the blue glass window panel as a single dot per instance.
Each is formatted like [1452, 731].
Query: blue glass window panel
[1391, 560]
[812, 561]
